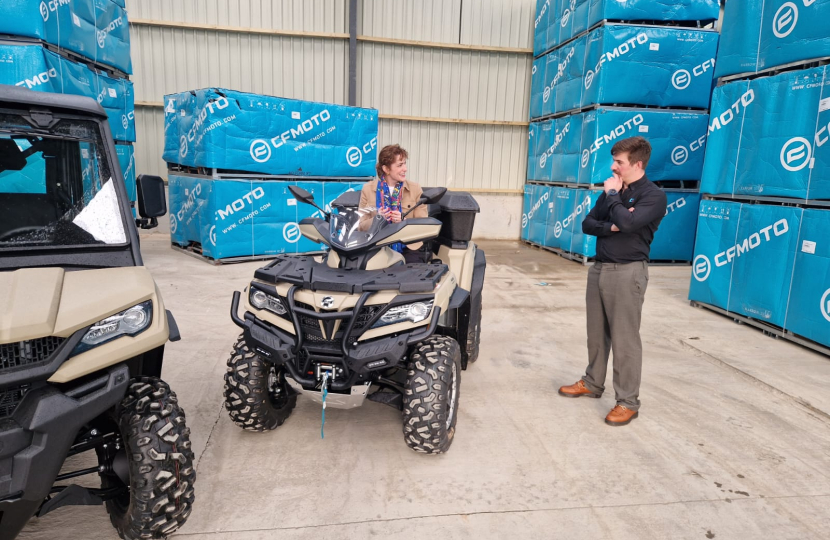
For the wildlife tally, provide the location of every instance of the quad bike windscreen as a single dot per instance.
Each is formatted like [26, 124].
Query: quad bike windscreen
[355, 227]
[55, 187]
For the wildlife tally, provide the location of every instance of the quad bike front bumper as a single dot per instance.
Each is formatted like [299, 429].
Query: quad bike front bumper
[36, 438]
[356, 359]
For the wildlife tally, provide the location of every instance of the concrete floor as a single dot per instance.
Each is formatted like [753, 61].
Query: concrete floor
[732, 440]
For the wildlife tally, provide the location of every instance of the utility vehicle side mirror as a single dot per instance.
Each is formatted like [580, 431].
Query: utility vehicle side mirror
[152, 202]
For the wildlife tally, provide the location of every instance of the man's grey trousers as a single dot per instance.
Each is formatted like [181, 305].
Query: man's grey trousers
[614, 304]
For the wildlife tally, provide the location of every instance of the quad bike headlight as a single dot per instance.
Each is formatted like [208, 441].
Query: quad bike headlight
[414, 312]
[129, 322]
[262, 300]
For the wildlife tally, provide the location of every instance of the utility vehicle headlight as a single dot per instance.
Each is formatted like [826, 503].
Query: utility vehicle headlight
[414, 312]
[129, 322]
[262, 300]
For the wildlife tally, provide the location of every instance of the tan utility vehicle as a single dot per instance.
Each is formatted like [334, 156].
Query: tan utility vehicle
[82, 328]
[362, 323]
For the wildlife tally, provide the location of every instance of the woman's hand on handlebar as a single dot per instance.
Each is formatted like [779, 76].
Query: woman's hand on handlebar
[392, 216]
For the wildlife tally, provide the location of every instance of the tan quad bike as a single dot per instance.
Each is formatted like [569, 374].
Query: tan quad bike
[362, 323]
[82, 329]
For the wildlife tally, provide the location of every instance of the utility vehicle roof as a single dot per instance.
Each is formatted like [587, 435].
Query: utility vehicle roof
[14, 97]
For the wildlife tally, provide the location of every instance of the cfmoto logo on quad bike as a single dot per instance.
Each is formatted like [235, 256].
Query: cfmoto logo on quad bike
[701, 268]
[327, 302]
[796, 154]
[825, 305]
[679, 155]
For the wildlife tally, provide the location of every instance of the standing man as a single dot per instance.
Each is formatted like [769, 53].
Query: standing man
[624, 221]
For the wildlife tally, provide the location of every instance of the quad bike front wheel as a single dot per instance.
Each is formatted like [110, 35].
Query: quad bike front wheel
[151, 467]
[256, 394]
[430, 401]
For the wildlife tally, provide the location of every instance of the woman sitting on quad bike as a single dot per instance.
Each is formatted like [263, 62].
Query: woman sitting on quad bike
[393, 195]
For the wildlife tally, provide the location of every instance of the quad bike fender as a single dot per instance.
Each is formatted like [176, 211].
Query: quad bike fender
[460, 262]
[45, 424]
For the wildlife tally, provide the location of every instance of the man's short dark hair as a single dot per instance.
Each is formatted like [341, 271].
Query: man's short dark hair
[638, 149]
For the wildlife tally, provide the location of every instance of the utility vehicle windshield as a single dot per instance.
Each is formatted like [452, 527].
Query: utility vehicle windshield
[56, 187]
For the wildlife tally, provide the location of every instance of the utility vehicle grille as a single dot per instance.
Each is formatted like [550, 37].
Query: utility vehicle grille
[365, 315]
[24, 353]
[10, 399]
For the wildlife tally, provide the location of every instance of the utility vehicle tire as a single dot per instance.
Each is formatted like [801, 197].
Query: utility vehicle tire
[160, 462]
[474, 333]
[430, 401]
[256, 394]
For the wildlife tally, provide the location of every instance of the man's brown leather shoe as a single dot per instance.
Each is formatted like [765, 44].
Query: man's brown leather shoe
[578, 389]
[620, 416]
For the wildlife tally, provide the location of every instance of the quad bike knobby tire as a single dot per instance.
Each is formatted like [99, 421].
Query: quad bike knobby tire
[159, 457]
[430, 401]
[256, 394]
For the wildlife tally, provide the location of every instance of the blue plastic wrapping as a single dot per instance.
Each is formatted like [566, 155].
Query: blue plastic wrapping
[527, 203]
[744, 258]
[126, 159]
[808, 314]
[763, 34]
[226, 129]
[560, 20]
[537, 86]
[32, 66]
[95, 29]
[240, 218]
[769, 137]
[675, 238]
[536, 213]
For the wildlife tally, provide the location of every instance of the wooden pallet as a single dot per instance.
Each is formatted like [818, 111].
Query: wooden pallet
[776, 70]
[770, 330]
[588, 261]
[194, 249]
[781, 201]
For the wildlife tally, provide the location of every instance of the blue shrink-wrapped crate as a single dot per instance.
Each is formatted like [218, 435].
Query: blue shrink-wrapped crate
[566, 82]
[648, 65]
[557, 21]
[537, 213]
[717, 231]
[527, 204]
[808, 314]
[769, 137]
[567, 225]
[95, 29]
[36, 68]
[126, 159]
[537, 86]
[539, 145]
[677, 143]
[758, 35]
[223, 129]
[243, 218]
[744, 257]
[675, 238]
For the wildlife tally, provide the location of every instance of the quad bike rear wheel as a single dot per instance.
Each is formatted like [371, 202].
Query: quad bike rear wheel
[153, 468]
[256, 394]
[431, 392]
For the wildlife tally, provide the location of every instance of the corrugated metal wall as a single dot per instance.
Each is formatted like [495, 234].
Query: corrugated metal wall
[461, 80]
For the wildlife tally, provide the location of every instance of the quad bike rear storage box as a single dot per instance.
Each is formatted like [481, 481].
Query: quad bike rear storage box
[458, 211]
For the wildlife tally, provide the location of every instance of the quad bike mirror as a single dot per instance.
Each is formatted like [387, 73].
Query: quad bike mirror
[304, 196]
[11, 157]
[430, 196]
[152, 202]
